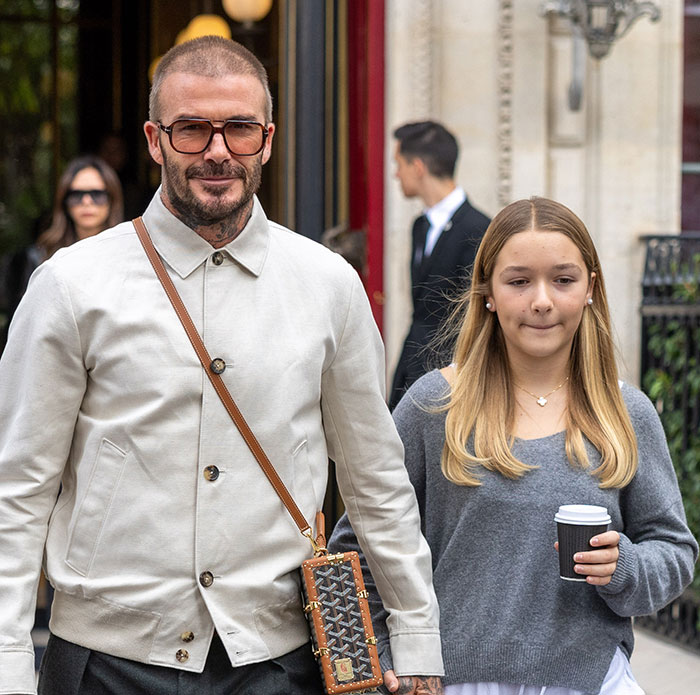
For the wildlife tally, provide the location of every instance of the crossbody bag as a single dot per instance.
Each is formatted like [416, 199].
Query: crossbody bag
[334, 598]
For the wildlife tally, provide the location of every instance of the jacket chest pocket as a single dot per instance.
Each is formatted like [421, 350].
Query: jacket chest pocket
[95, 506]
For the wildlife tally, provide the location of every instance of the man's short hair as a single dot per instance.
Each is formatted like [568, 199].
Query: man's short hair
[432, 143]
[208, 56]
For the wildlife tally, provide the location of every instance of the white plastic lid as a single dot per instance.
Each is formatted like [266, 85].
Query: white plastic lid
[582, 514]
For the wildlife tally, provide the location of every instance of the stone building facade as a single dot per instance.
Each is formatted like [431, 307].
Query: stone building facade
[497, 73]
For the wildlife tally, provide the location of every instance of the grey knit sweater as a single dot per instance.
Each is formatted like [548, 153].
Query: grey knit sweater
[505, 615]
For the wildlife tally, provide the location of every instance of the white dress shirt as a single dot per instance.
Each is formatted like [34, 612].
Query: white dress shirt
[439, 215]
[165, 527]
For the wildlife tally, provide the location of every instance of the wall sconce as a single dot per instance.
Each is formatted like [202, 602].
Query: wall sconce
[247, 11]
[598, 23]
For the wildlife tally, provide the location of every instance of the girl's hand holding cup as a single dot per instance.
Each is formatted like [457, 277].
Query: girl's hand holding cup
[599, 565]
[580, 527]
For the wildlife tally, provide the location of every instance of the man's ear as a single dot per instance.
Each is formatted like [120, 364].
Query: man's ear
[420, 166]
[152, 132]
[267, 150]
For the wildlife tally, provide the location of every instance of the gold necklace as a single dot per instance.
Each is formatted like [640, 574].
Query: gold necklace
[542, 400]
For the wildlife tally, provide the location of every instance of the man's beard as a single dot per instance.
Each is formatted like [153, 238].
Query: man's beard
[195, 212]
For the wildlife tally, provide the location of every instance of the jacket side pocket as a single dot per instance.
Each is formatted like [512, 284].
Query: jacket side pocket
[95, 506]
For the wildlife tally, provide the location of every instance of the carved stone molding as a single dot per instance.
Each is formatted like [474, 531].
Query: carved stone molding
[505, 101]
[422, 66]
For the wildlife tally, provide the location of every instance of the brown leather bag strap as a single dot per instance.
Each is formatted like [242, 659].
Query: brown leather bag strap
[218, 383]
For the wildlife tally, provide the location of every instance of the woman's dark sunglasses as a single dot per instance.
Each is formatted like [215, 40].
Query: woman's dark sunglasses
[75, 197]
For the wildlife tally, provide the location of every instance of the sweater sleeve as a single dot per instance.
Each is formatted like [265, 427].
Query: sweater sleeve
[657, 550]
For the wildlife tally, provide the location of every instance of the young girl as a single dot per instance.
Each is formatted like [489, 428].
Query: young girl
[531, 416]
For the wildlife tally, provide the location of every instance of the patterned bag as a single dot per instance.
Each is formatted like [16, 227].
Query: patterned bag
[335, 603]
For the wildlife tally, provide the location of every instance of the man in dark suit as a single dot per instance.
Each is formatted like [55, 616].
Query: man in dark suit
[445, 239]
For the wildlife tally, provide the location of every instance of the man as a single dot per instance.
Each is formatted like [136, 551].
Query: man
[173, 560]
[445, 239]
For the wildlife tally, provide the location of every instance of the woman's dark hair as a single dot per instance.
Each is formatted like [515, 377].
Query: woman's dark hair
[62, 231]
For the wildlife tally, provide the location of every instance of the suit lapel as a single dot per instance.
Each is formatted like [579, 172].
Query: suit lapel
[442, 245]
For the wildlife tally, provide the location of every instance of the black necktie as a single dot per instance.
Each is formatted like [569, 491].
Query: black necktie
[422, 225]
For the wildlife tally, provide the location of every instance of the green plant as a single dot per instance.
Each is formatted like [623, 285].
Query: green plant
[673, 384]
[38, 111]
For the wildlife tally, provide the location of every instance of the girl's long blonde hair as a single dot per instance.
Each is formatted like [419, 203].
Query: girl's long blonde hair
[480, 405]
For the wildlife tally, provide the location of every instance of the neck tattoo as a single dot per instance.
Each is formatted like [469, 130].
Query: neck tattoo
[542, 400]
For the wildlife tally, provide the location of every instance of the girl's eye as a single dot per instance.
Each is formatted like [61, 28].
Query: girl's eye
[565, 281]
[518, 283]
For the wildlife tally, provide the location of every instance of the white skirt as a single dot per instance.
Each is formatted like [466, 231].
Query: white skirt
[618, 681]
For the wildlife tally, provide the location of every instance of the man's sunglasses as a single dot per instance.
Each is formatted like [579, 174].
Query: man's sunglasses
[194, 135]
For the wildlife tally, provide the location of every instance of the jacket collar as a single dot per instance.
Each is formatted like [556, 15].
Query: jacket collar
[184, 250]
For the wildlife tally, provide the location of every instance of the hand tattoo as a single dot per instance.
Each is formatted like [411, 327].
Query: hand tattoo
[431, 685]
[418, 685]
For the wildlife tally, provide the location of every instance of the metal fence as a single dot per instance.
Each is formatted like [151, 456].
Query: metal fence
[677, 622]
[670, 362]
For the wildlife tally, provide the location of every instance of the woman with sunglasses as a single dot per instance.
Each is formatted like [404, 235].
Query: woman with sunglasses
[88, 200]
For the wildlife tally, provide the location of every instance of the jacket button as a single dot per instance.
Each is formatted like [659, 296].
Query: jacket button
[211, 473]
[217, 258]
[217, 365]
[206, 579]
[187, 636]
[182, 655]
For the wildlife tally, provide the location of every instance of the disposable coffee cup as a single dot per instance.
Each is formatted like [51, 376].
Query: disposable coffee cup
[576, 525]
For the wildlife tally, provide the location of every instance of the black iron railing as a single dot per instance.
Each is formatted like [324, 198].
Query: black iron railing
[678, 621]
[670, 362]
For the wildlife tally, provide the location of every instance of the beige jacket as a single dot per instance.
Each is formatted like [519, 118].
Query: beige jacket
[101, 392]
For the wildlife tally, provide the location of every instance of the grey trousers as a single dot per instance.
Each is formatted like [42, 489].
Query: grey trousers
[69, 669]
